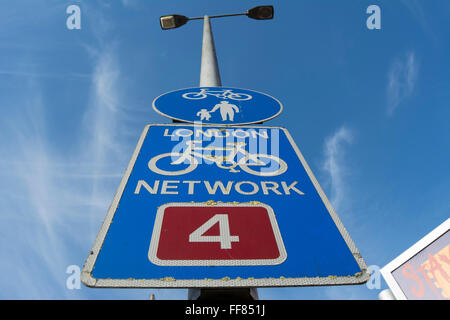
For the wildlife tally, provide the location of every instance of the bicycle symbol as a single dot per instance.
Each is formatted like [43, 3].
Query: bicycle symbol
[248, 163]
[221, 94]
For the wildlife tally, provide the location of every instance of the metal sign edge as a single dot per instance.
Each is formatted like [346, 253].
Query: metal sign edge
[218, 124]
[88, 280]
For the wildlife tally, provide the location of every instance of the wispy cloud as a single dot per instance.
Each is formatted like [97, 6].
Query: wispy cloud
[53, 199]
[37, 206]
[402, 78]
[103, 125]
[334, 164]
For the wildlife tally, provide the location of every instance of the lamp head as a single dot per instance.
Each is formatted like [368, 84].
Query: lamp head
[172, 21]
[261, 13]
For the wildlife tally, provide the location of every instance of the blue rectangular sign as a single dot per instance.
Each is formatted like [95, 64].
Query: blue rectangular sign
[208, 206]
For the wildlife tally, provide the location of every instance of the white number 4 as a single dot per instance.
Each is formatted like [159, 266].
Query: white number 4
[224, 236]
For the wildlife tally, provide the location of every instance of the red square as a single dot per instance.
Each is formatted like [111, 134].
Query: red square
[221, 234]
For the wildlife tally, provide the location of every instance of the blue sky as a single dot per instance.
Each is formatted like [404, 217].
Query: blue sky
[369, 109]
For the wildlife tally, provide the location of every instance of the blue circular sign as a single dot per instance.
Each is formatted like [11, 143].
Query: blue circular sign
[218, 106]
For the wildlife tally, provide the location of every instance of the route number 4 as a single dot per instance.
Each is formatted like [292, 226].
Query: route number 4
[224, 236]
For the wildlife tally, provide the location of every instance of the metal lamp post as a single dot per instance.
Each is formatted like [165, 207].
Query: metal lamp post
[210, 77]
[209, 70]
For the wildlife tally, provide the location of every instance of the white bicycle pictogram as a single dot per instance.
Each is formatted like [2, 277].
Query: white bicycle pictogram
[221, 94]
[246, 163]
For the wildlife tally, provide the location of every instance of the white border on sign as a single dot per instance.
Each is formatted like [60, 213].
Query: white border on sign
[236, 262]
[168, 282]
[218, 124]
[387, 270]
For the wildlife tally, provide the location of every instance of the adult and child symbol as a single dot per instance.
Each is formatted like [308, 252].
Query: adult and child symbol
[227, 111]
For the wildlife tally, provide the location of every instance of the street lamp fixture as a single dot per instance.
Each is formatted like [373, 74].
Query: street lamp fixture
[175, 20]
[172, 21]
[261, 13]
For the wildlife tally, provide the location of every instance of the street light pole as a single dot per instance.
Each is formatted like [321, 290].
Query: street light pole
[210, 77]
[209, 71]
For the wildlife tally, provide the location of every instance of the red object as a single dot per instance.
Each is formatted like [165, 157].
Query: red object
[251, 224]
